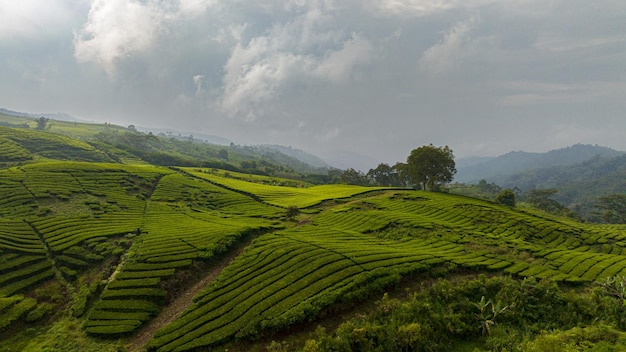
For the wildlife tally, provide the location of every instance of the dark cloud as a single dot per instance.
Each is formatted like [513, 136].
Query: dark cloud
[372, 77]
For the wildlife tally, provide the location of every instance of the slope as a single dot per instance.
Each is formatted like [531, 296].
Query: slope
[497, 169]
[112, 245]
[128, 145]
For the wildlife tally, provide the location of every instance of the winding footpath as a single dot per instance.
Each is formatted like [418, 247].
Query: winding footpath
[182, 302]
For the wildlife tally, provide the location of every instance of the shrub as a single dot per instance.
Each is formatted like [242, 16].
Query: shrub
[38, 313]
[292, 212]
[506, 197]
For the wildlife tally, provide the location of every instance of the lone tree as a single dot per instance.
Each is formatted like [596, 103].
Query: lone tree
[506, 197]
[542, 199]
[292, 212]
[41, 123]
[429, 165]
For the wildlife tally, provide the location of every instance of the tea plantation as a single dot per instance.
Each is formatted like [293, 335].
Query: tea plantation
[111, 245]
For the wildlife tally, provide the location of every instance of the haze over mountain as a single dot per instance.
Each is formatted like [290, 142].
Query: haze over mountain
[373, 78]
[61, 116]
[500, 168]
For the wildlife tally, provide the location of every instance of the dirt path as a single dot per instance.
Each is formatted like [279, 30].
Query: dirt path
[175, 308]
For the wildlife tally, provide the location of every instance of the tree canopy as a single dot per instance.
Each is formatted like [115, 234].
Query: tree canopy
[353, 177]
[429, 165]
[41, 123]
[506, 197]
[613, 208]
[386, 175]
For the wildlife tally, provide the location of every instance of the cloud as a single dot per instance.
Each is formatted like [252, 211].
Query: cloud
[117, 29]
[299, 71]
[195, 8]
[420, 8]
[337, 65]
[329, 135]
[529, 93]
[198, 81]
[292, 53]
[450, 52]
[32, 18]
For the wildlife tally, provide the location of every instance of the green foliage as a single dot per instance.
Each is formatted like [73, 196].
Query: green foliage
[542, 199]
[600, 338]
[506, 197]
[613, 208]
[39, 312]
[388, 176]
[67, 334]
[19, 309]
[81, 298]
[353, 177]
[291, 213]
[433, 318]
[41, 123]
[578, 184]
[486, 316]
[429, 165]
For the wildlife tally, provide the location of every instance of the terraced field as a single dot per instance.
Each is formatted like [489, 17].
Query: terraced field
[301, 196]
[123, 241]
[346, 250]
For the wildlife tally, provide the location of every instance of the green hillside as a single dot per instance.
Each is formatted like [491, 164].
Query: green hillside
[60, 139]
[103, 254]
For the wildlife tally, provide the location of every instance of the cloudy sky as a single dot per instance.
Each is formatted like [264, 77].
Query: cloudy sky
[372, 77]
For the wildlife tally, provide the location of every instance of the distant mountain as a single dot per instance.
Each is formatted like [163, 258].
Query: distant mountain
[464, 163]
[343, 160]
[59, 116]
[497, 169]
[166, 132]
[579, 185]
[300, 155]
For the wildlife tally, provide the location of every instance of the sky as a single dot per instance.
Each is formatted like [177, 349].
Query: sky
[356, 82]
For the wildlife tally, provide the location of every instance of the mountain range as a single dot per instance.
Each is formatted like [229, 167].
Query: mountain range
[499, 169]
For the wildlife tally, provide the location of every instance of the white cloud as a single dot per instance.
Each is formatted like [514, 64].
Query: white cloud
[450, 52]
[198, 82]
[412, 8]
[117, 29]
[32, 18]
[337, 65]
[259, 71]
[194, 8]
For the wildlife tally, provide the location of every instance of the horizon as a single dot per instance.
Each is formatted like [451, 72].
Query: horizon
[225, 142]
[359, 82]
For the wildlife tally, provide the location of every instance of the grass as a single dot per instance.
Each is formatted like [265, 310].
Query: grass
[302, 196]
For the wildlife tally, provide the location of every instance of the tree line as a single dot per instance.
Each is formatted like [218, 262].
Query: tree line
[427, 167]
[430, 168]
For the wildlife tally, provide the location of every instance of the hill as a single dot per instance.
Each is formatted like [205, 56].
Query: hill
[579, 185]
[300, 155]
[53, 116]
[120, 144]
[497, 169]
[105, 255]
